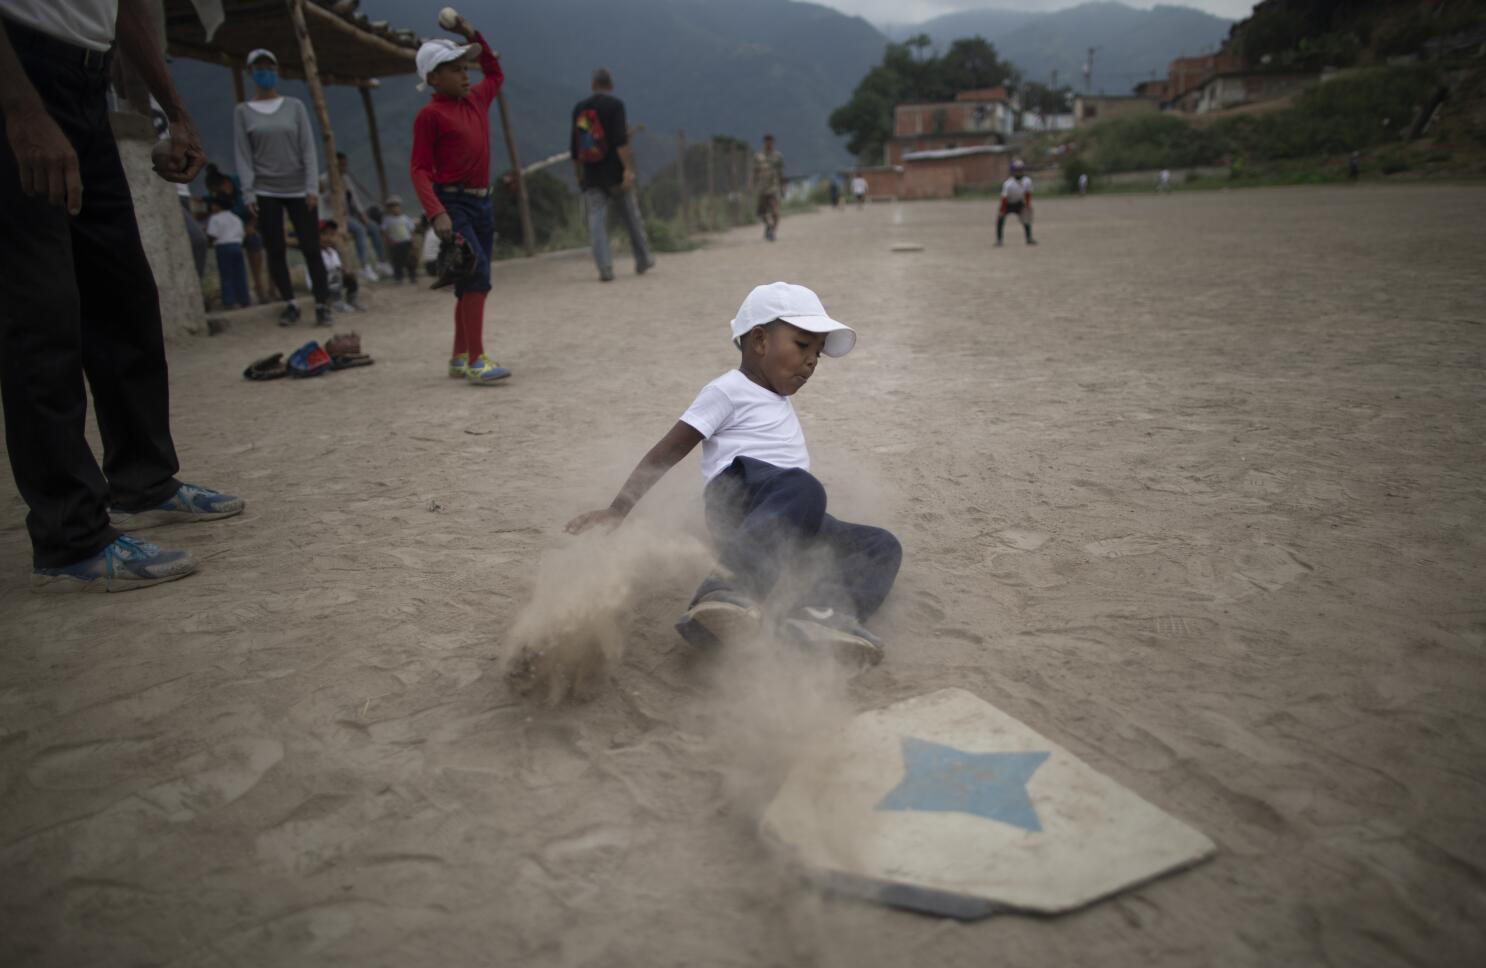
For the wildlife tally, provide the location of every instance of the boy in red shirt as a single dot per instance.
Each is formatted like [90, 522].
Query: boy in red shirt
[450, 169]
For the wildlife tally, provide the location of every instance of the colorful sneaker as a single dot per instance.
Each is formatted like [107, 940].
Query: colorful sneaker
[833, 630]
[718, 618]
[189, 503]
[484, 371]
[459, 366]
[126, 564]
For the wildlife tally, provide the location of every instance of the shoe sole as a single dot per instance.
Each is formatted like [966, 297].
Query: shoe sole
[485, 383]
[63, 584]
[850, 650]
[142, 520]
[711, 625]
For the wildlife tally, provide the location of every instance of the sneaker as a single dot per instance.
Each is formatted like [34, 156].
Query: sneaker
[290, 315]
[999, 243]
[385, 268]
[189, 503]
[126, 564]
[485, 370]
[607, 275]
[343, 307]
[1031, 241]
[323, 316]
[368, 273]
[459, 366]
[645, 266]
[834, 630]
[718, 618]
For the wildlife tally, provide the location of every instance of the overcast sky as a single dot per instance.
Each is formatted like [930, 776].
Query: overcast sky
[914, 11]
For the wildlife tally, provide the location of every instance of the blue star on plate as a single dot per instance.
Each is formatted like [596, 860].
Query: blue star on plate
[944, 779]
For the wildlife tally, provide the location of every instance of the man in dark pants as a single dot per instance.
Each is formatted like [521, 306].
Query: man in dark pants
[77, 298]
[604, 164]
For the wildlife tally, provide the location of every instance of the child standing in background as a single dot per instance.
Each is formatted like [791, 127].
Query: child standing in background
[397, 228]
[450, 169]
[225, 231]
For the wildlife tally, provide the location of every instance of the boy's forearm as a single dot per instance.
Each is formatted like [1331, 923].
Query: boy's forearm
[666, 454]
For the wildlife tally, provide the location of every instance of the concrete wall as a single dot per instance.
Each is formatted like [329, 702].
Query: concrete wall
[1091, 110]
[157, 207]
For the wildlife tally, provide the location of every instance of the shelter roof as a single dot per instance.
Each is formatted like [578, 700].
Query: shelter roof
[350, 48]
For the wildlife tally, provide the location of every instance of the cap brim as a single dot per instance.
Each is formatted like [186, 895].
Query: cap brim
[840, 338]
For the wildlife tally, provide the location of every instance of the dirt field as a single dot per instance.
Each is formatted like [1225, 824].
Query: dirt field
[1195, 488]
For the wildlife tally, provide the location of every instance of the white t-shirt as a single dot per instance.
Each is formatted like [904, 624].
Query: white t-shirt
[86, 23]
[266, 106]
[399, 228]
[859, 185]
[224, 228]
[738, 418]
[1015, 189]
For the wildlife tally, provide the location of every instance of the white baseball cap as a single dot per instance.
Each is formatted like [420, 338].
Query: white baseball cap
[259, 53]
[440, 50]
[797, 306]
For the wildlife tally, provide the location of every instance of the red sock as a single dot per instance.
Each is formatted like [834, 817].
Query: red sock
[459, 341]
[473, 306]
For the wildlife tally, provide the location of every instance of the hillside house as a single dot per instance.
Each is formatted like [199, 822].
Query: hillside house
[973, 119]
[1091, 108]
[1232, 89]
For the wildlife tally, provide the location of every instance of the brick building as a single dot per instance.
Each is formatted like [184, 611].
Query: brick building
[973, 119]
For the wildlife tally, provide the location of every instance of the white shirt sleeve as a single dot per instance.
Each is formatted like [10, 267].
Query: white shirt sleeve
[709, 412]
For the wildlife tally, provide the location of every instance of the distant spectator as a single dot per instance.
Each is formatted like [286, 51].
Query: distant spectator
[859, 189]
[359, 222]
[398, 228]
[768, 185]
[430, 254]
[344, 288]
[605, 166]
[275, 149]
[226, 233]
[835, 190]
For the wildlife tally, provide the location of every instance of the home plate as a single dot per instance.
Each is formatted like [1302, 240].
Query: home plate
[907, 247]
[943, 803]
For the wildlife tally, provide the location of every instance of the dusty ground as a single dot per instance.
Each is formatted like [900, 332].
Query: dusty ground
[1195, 489]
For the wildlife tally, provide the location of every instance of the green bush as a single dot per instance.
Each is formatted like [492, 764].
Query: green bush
[667, 236]
[1151, 141]
[1073, 168]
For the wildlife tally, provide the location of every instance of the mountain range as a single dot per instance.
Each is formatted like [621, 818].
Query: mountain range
[1130, 45]
[725, 67]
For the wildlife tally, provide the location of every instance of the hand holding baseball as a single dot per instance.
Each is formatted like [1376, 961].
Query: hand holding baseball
[451, 21]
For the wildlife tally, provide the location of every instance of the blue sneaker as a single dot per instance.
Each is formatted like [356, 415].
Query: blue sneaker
[189, 503]
[126, 564]
[485, 371]
[719, 618]
[831, 630]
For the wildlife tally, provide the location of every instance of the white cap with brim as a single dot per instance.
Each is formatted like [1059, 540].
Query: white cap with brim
[438, 51]
[797, 306]
[259, 53]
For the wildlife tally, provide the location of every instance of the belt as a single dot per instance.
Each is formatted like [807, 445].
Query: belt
[29, 42]
[482, 192]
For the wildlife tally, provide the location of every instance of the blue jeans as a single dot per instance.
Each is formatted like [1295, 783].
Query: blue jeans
[359, 234]
[474, 219]
[770, 522]
[597, 200]
[232, 267]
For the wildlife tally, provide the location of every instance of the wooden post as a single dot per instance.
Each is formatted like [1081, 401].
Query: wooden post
[711, 183]
[317, 95]
[685, 210]
[735, 185]
[376, 142]
[528, 236]
[237, 83]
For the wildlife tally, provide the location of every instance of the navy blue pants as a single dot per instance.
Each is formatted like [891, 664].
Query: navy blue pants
[232, 268]
[770, 523]
[474, 219]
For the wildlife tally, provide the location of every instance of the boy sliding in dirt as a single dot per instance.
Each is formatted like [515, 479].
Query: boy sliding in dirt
[450, 170]
[785, 565]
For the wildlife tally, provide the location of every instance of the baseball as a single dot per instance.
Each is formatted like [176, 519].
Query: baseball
[448, 18]
[160, 156]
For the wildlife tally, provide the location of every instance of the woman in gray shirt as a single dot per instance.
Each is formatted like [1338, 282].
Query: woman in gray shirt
[275, 149]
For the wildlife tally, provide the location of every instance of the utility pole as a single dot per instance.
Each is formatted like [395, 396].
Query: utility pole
[1089, 72]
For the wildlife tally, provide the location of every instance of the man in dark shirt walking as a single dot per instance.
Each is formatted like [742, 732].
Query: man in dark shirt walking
[605, 166]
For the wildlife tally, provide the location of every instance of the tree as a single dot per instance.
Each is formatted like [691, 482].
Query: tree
[910, 72]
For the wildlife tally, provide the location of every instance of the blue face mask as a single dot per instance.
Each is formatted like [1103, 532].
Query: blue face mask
[266, 78]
